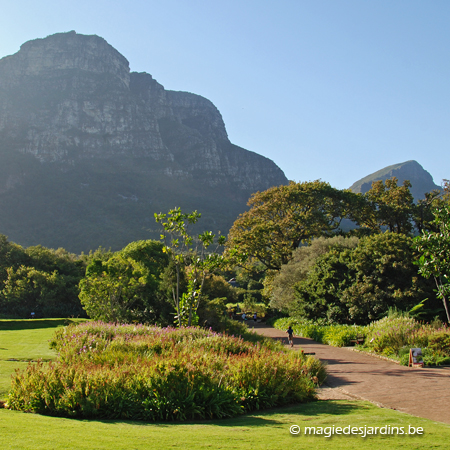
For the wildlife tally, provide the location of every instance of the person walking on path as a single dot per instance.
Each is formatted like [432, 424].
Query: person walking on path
[290, 333]
[356, 375]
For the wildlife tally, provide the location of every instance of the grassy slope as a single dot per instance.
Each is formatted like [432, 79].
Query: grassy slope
[268, 430]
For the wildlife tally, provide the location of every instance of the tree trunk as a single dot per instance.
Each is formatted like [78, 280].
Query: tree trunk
[444, 300]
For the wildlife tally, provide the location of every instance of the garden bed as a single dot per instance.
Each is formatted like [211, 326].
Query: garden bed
[148, 373]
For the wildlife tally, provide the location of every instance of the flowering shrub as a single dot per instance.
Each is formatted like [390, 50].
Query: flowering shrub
[394, 336]
[388, 335]
[440, 341]
[149, 373]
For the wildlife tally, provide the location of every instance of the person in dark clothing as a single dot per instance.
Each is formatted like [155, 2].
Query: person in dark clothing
[290, 333]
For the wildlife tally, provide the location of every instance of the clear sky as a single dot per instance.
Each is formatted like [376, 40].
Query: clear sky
[329, 89]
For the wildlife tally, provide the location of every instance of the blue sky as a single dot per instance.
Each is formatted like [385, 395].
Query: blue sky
[329, 89]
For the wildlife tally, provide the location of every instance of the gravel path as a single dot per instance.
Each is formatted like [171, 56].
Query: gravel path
[422, 392]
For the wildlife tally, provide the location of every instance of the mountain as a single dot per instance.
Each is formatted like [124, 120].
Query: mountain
[89, 151]
[420, 179]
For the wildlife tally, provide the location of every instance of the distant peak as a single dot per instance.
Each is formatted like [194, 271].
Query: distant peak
[411, 170]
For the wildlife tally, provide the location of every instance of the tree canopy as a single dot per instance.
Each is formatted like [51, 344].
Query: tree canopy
[283, 217]
[40, 280]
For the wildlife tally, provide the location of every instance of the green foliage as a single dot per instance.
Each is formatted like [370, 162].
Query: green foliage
[39, 280]
[319, 296]
[303, 259]
[360, 285]
[440, 341]
[395, 334]
[335, 335]
[384, 276]
[434, 247]
[191, 257]
[216, 293]
[148, 373]
[29, 290]
[283, 217]
[389, 206]
[388, 335]
[125, 287]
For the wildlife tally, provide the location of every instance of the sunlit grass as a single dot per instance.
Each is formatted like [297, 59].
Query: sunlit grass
[22, 341]
[265, 430]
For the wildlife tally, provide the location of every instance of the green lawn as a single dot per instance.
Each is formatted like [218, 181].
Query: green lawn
[22, 341]
[266, 430]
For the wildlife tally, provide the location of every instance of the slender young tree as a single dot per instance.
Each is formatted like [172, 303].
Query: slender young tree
[192, 255]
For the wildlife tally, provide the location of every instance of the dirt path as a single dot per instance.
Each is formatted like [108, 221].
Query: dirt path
[353, 375]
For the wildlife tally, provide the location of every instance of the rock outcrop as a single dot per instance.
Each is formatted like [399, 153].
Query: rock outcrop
[89, 151]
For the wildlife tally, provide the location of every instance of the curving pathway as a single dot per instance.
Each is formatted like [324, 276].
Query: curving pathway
[422, 392]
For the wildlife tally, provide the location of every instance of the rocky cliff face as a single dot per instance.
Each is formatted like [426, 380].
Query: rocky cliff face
[73, 117]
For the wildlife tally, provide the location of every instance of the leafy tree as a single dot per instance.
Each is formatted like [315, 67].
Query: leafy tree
[190, 256]
[125, 287]
[424, 212]
[361, 284]
[388, 206]
[283, 217]
[217, 292]
[319, 295]
[384, 277]
[434, 247]
[283, 294]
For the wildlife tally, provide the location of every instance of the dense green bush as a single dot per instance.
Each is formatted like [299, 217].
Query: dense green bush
[150, 373]
[360, 285]
[282, 291]
[126, 286]
[40, 280]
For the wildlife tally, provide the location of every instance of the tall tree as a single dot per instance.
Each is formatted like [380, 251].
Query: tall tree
[283, 217]
[424, 212]
[388, 206]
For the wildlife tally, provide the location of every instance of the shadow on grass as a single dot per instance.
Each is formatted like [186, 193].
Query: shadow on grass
[261, 418]
[34, 324]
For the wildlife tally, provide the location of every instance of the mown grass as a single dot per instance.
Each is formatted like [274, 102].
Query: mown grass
[25, 340]
[267, 430]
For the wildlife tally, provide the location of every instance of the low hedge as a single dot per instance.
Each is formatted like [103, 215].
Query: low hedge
[335, 335]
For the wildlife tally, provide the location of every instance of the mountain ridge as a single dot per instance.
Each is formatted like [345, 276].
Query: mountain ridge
[90, 150]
